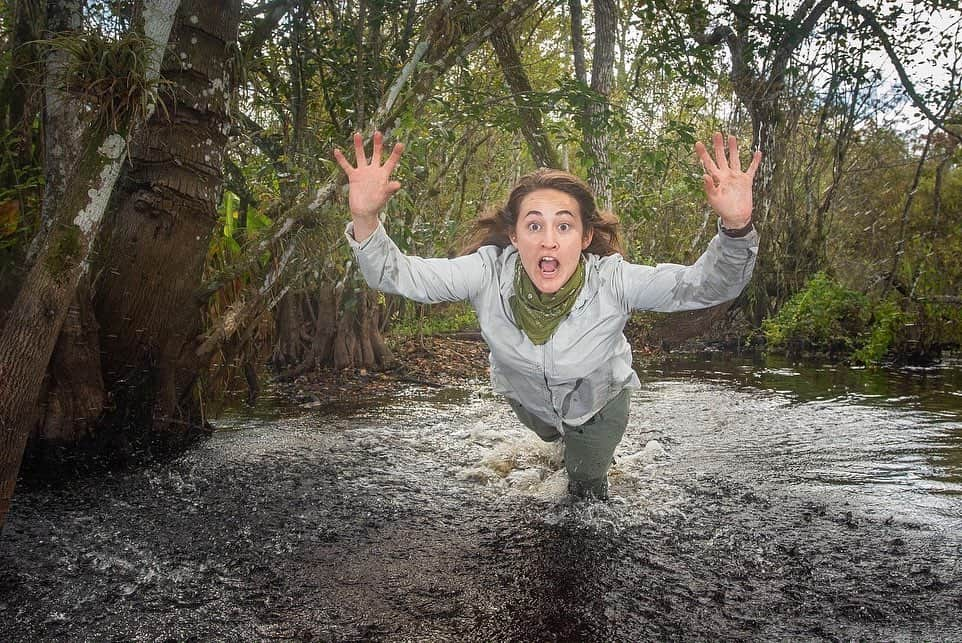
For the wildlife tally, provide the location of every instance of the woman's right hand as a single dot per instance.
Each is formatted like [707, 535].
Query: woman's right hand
[369, 183]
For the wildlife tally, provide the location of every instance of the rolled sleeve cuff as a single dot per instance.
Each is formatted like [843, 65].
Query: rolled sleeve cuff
[376, 237]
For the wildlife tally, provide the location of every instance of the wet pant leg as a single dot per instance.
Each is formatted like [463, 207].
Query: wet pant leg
[544, 430]
[590, 447]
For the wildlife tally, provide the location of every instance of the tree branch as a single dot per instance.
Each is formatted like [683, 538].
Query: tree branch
[578, 41]
[907, 83]
[301, 213]
[529, 112]
[265, 26]
[940, 299]
[906, 208]
[805, 17]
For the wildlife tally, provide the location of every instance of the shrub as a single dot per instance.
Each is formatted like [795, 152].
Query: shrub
[823, 317]
[888, 323]
[442, 319]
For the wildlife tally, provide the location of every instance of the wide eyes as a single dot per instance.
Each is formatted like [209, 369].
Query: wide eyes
[534, 226]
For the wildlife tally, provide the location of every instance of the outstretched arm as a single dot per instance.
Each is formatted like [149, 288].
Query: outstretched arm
[725, 267]
[728, 188]
[383, 265]
[369, 184]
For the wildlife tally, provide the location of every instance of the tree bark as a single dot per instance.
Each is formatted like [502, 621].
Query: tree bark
[75, 396]
[358, 343]
[37, 315]
[578, 42]
[160, 230]
[63, 126]
[595, 115]
[530, 114]
[598, 110]
[304, 330]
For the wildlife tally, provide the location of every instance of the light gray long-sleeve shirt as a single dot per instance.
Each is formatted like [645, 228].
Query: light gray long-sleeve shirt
[587, 361]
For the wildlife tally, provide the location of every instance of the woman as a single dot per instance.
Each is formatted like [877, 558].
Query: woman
[553, 294]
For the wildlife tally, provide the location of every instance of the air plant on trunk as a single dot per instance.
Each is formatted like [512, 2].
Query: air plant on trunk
[109, 77]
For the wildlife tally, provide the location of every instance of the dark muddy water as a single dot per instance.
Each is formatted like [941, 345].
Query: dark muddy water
[750, 500]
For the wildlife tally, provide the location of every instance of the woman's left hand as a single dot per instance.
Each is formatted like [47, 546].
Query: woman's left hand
[728, 188]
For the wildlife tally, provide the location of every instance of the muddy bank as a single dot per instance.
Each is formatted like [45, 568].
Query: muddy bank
[736, 512]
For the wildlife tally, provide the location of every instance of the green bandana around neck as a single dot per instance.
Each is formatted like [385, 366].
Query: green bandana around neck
[538, 314]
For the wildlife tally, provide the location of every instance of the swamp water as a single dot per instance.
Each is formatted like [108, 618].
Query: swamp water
[749, 500]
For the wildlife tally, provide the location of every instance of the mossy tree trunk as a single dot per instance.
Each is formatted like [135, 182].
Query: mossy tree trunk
[73, 394]
[37, 315]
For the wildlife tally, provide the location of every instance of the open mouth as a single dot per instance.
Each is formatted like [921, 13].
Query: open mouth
[548, 266]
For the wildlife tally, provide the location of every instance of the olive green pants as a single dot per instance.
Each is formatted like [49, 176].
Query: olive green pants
[588, 448]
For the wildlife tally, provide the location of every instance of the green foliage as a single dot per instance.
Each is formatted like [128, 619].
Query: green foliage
[237, 229]
[21, 186]
[887, 322]
[666, 29]
[19, 203]
[110, 76]
[229, 214]
[827, 318]
[823, 317]
[443, 319]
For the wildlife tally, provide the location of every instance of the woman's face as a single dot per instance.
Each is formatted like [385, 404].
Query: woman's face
[549, 236]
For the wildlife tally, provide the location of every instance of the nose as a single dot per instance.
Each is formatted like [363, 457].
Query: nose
[549, 240]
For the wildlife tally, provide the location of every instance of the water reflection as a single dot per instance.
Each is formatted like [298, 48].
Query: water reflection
[936, 388]
[893, 435]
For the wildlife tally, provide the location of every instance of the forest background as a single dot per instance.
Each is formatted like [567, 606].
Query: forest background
[171, 216]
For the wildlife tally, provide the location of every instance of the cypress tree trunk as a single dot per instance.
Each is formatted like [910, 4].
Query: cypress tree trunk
[160, 229]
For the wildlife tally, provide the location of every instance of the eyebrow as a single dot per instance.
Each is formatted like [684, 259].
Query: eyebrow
[558, 213]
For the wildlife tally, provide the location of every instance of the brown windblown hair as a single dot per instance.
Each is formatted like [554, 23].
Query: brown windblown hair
[493, 228]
